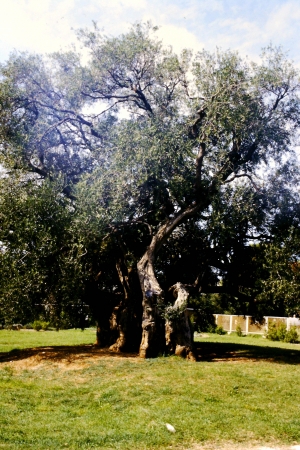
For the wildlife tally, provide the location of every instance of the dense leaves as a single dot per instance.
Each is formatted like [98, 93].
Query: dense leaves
[179, 168]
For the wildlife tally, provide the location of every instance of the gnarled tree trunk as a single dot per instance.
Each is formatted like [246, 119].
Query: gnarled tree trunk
[105, 334]
[126, 317]
[153, 339]
[152, 324]
[179, 333]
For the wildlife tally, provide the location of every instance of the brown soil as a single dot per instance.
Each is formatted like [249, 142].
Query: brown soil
[79, 356]
[64, 357]
[242, 446]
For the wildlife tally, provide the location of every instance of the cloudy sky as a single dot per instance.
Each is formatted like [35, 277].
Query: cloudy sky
[244, 25]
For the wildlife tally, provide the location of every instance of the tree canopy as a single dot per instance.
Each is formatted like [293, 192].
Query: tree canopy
[142, 178]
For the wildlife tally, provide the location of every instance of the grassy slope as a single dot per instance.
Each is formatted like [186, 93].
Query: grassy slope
[124, 403]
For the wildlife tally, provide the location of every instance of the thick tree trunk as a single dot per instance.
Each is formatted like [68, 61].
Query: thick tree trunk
[119, 317]
[102, 334]
[105, 334]
[101, 304]
[126, 317]
[127, 326]
[152, 324]
[153, 339]
[118, 327]
[179, 333]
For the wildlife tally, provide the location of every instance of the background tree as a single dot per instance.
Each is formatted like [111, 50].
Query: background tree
[37, 274]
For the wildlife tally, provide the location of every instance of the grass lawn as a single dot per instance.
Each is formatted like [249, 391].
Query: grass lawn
[13, 340]
[242, 390]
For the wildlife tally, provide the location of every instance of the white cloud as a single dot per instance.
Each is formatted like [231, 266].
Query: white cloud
[179, 38]
[35, 25]
[45, 25]
[248, 31]
[238, 33]
[283, 21]
[134, 4]
[113, 10]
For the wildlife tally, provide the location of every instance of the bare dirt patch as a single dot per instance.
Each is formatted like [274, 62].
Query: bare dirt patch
[242, 446]
[70, 357]
[64, 357]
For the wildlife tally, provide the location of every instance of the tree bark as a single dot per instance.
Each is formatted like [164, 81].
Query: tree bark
[152, 342]
[118, 328]
[153, 333]
[179, 333]
[126, 317]
[105, 334]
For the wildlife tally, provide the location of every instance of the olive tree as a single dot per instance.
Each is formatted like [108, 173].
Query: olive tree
[147, 141]
[195, 126]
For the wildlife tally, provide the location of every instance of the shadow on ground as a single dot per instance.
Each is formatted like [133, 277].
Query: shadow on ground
[205, 351]
[215, 351]
[62, 353]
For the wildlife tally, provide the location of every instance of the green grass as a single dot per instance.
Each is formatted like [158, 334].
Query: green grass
[242, 391]
[10, 340]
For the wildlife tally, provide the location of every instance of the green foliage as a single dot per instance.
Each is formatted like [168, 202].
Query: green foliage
[291, 335]
[220, 330]
[169, 312]
[40, 325]
[280, 333]
[141, 144]
[38, 265]
[37, 325]
[45, 325]
[211, 328]
[280, 287]
[239, 331]
[204, 307]
[272, 332]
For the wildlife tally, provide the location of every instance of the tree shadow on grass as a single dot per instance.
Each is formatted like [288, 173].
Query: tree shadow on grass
[205, 351]
[62, 353]
[226, 351]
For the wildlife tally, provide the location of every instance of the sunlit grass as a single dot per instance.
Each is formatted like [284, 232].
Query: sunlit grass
[10, 339]
[124, 403]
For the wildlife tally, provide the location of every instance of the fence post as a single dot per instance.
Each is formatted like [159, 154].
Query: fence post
[230, 325]
[247, 324]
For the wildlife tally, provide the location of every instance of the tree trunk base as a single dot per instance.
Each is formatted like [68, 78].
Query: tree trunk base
[152, 343]
[102, 337]
[119, 345]
[185, 352]
[126, 326]
[178, 330]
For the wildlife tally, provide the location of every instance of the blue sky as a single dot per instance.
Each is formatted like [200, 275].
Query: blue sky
[244, 25]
